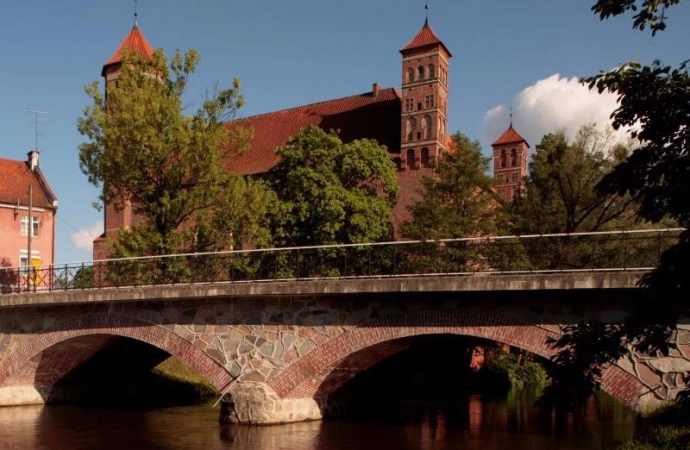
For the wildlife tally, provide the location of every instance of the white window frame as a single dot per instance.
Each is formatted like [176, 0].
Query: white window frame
[25, 226]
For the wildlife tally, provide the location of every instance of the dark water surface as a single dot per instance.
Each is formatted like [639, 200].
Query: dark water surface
[476, 424]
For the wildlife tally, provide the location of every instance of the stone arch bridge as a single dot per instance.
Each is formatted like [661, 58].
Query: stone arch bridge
[277, 350]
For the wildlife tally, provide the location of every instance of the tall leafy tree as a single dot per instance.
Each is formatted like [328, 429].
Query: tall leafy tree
[330, 192]
[459, 199]
[560, 196]
[655, 99]
[144, 149]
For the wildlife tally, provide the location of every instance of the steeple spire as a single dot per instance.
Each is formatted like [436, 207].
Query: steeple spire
[426, 10]
[136, 14]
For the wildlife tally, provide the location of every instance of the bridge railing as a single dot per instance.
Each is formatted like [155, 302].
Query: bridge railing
[610, 250]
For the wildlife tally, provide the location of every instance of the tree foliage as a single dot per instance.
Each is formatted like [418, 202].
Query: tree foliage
[459, 200]
[143, 149]
[561, 197]
[330, 192]
[655, 101]
[647, 13]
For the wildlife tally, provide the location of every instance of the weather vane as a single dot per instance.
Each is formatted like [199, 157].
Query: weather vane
[426, 9]
[136, 14]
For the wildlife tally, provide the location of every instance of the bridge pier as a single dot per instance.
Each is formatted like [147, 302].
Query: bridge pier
[20, 395]
[256, 403]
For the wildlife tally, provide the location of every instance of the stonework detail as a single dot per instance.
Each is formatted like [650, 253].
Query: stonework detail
[294, 351]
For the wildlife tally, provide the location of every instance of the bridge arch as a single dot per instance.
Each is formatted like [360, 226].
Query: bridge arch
[317, 374]
[100, 325]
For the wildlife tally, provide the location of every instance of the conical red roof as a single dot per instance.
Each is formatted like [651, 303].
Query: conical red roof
[425, 37]
[134, 42]
[510, 136]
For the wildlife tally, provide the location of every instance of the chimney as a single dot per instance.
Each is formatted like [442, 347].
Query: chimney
[33, 160]
[375, 90]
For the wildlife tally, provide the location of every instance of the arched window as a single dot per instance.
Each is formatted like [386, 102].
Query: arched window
[426, 126]
[431, 71]
[410, 159]
[410, 75]
[420, 73]
[513, 157]
[503, 158]
[411, 125]
[425, 157]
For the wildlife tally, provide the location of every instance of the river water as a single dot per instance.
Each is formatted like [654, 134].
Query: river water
[475, 424]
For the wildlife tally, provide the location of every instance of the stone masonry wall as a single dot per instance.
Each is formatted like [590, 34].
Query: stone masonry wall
[295, 351]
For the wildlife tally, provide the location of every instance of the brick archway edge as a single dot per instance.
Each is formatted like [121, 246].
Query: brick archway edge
[109, 324]
[293, 381]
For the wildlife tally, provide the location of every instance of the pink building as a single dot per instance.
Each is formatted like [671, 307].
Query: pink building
[27, 214]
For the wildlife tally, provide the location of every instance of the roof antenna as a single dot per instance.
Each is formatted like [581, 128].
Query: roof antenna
[136, 14]
[426, 8]
[35, 113]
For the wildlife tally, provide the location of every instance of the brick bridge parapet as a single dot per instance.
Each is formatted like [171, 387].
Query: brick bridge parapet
[278, 350]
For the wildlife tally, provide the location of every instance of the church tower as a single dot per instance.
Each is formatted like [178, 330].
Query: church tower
[510, 163]
[119, 214]
[425, 63]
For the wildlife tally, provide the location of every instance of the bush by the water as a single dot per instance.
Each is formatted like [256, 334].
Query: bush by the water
[505, 371]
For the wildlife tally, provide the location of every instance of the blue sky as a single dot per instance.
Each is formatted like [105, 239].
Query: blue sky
[288, 53]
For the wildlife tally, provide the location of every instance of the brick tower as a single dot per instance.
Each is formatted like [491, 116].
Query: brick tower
[119, 214]
[510, 163]
[424, 103]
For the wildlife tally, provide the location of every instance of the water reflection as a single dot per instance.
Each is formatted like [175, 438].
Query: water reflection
[477, 424]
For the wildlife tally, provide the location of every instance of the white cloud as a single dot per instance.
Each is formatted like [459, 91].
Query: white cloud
[549, 105]
[83, 239]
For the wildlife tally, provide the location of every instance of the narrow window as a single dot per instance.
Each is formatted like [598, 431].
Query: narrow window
[513, 157]
[429, 101]
[431, 71]
[409, 104]
[410, 75]
[514, 177]
[420, 71]
[410, 159]
[426, 126]
[410, 127]
[425, 157]
[503, 158]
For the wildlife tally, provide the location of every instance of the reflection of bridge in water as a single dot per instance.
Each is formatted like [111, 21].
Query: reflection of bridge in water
[279, 330]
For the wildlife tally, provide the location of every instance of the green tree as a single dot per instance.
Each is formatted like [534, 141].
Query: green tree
[655, 100]
[459, 201]
[561, 197]
[142, 148]
[330, 192]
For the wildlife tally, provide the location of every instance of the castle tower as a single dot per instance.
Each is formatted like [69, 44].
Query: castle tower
[425, 63]
[118, 214]
[510, 163]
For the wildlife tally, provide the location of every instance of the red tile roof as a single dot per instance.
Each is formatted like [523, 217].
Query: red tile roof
[134, 42]
[510, 136]
[15, 179]
[425, 37]
[359, 116]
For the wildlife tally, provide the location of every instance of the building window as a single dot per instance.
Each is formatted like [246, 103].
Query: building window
[410, 125]
[431, 71]
[410, 75]
[410, 159]
[513, 157]
[420, 72]
[426, 126]
[429, 101]
[503, 158]
[514, 178]
[425, 157]
[25, 226]
[409, 104]
[499, 179]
